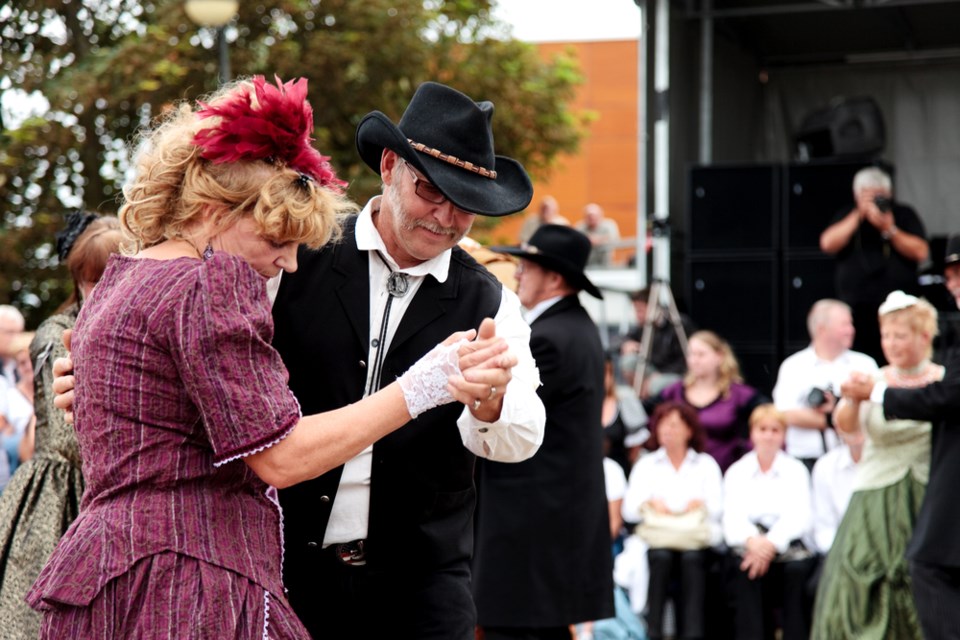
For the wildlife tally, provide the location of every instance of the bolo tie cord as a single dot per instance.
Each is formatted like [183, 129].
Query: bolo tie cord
[397, 286]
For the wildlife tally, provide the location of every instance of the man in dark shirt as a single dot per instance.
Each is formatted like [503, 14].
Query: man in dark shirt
[879, 244]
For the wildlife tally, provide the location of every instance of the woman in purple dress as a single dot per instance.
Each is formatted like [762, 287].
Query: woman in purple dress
[182, 411]
[713, 386]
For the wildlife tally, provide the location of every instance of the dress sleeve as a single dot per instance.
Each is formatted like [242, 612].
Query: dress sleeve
[231, 372]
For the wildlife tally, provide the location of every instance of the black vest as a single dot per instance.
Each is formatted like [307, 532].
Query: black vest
[422, 494]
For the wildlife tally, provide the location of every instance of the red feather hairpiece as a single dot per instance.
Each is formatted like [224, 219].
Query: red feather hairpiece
[279, 128]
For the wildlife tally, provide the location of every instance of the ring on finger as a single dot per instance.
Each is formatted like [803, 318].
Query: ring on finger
[493, 392]
[476, 405]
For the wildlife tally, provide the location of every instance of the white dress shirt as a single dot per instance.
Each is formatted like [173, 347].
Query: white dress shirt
[614, 480]
[833, 477]
[800, 373]
[698, 478]
[516, 436]
[778, 499]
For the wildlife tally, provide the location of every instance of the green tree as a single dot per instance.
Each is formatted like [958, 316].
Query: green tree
[107, 67]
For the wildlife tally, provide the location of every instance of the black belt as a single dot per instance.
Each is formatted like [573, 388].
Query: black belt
[352, 554]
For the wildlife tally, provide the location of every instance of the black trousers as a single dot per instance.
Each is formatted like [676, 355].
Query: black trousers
[936, 592]
[337, 601]
[784, 586]
[688, 569]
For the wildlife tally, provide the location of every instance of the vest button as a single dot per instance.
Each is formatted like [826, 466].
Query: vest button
[311, 544]
[375, 342]
[483, 429]
[363, 365]
[324, 498]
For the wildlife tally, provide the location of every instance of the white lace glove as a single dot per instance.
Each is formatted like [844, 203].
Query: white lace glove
[424, 384]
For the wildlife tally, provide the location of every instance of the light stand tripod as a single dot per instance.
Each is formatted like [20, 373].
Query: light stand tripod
[660, 303]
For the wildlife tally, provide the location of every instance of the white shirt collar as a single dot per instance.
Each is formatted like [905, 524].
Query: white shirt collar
[775, 468]
[369, 239]
[538, 309]
[661, 455]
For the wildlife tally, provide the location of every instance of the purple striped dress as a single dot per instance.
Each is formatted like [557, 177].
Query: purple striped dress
[176, 536]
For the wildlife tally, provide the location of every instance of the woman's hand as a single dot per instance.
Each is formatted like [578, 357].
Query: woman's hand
[695, 504]
[486, 365]
[63, 380]
[659, 506]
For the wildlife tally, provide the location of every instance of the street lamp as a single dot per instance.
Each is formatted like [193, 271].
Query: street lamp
[215, 14]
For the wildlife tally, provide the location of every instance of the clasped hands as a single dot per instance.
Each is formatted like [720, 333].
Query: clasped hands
[486, 364]
[758, 553]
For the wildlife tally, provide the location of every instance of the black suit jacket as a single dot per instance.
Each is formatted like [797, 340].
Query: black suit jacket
[542, 556]
[936, 536]
[422, 494]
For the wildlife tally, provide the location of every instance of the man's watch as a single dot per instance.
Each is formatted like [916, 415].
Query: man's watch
[891, 231]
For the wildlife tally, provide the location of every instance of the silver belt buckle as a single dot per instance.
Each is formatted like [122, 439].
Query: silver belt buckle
[351, 553]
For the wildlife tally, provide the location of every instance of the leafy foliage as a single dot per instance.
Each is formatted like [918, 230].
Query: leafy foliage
[106, 67]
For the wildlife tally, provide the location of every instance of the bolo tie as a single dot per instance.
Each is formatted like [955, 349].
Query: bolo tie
[397, 286]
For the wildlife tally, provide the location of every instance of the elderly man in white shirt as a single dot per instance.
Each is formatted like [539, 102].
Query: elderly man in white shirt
[767, 521]
[823, 366]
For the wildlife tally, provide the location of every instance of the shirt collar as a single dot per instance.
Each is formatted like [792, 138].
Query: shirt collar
[660, 455]
[369, 239]
[775, 468]
[538, 309]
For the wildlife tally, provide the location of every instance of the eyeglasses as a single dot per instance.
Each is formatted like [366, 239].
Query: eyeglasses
[424, 189]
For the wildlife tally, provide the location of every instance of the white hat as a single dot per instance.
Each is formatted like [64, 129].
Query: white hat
[895, 301]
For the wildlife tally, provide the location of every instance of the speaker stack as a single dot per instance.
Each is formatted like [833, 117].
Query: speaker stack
[754, 265]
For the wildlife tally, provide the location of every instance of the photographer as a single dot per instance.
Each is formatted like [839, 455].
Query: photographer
[879, 244]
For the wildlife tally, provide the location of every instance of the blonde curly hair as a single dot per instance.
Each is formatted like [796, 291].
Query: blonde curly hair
[174, 187]
[920, 318]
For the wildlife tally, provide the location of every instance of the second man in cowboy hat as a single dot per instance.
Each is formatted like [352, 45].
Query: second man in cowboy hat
[380, 547]
[542, 559]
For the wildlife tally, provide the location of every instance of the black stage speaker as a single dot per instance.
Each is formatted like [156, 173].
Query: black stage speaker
[758, 366]
[805, 280]
[846, 128]
[813, 193]
[735, 297]
[733, 209]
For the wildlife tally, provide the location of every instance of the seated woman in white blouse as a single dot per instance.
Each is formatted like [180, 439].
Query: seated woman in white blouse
[767, 519]
[676, 478]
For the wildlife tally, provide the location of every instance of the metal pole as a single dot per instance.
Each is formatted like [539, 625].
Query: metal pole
[706, 83]
[224, 54]
[642, 145]
[661, 138]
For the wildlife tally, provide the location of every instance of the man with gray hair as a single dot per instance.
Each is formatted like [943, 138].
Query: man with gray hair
[879, 244]
[808, 383]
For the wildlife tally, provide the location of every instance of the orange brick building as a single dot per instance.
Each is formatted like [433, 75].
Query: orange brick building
[604, 170]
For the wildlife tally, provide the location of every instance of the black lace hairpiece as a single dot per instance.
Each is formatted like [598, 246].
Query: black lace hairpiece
[77, 221]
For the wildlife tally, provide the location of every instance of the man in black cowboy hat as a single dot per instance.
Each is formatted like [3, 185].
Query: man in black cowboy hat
[542, 560]
[380, 547]
[934, 549]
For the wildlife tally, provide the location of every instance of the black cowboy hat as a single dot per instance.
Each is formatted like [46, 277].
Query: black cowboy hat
[953, 251]
[447, 136]
[558, 248]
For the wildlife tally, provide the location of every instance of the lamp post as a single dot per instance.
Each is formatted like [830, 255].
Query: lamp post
[215, 14]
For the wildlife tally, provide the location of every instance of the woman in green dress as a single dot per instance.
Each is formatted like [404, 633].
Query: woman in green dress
[43, 496]
[864, 592]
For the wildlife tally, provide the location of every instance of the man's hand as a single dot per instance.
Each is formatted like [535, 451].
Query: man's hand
[858, 387]
[482, 387]
[63, 380]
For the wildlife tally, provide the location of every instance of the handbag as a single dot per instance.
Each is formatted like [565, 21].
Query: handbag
[679, 531]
